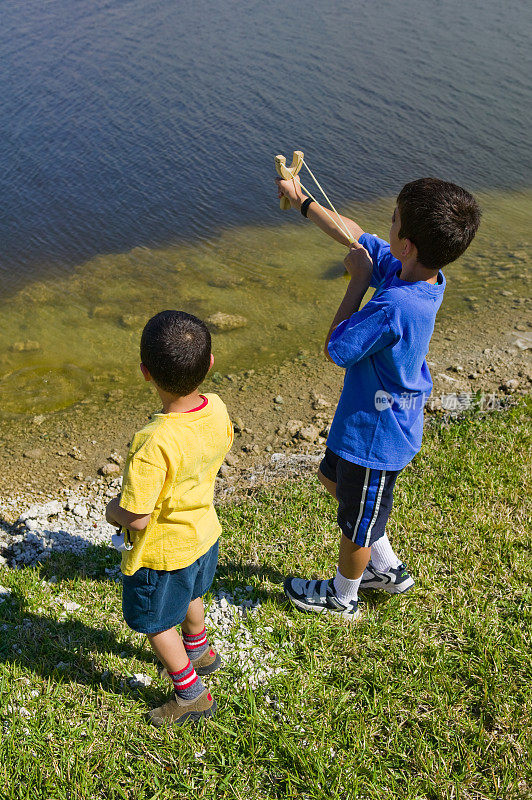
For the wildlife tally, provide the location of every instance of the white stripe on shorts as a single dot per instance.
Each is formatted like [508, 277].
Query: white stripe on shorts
[362, 504]
[376, 509]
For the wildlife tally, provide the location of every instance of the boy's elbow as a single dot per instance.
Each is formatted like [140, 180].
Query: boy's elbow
[139, 523]
[326, 352]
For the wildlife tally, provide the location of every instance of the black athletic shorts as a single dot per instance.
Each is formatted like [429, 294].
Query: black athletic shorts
[365, 497]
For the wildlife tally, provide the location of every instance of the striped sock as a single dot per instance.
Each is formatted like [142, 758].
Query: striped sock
[187, 684]
[195, 643]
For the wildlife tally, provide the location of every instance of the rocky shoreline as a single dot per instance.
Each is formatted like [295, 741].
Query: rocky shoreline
[58, 470]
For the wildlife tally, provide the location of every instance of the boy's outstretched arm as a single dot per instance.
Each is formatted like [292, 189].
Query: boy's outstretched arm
[316, 213]
[360, 267]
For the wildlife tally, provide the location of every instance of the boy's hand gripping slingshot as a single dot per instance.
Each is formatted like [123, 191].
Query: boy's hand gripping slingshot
[289, 173]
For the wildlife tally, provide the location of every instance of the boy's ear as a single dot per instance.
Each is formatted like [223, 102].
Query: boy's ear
[145, 372]
[212, 361]
[408, 248]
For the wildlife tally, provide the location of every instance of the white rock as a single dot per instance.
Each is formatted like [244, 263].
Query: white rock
[308, 433]
[81, 511]
[139, 680]
[50, 509]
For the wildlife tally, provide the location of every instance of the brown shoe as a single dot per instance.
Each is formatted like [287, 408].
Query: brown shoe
[207, 662]
[176, 711]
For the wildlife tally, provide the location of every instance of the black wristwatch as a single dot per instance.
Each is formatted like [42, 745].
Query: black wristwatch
[305, 204]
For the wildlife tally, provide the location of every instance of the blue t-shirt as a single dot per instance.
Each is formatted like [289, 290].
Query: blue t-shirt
[382, 347]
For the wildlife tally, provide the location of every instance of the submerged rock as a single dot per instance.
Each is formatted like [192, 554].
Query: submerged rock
[25, 347]
[220, 322]
[34, 453]
[132, 320]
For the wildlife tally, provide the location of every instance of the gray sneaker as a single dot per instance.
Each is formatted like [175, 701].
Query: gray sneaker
[319, 597]
[394, 581]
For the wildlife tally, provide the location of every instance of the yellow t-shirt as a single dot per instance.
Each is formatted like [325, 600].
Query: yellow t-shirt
[170, 471]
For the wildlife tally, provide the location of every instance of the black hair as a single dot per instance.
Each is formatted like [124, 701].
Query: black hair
[176, 349]
[439, 218]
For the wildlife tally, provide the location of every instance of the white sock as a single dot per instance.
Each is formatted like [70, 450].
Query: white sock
[383, 557]
[346, 589]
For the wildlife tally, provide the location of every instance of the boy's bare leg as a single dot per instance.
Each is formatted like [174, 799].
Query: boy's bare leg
[194, 621]
[187, 684]
[169, 647]
[190, 699]
[352, 559]
[329, 485]
[202, 654]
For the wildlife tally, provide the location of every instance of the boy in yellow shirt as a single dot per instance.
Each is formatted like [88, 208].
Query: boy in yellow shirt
[166, 507]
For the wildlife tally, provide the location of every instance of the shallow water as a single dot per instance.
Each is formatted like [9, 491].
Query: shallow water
[66, 340]
[137, 164]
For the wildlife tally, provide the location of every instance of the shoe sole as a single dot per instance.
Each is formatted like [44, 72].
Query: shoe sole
[192, 716]
[390, 588]
[307, 607]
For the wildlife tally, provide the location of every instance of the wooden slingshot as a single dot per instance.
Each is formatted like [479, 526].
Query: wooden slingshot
[288, 173]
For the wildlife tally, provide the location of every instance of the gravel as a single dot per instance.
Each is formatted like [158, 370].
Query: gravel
[76, 522]
[241, 649]
[59, 526]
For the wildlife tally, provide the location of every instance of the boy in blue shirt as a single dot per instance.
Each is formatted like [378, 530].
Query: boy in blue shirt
[378, 424]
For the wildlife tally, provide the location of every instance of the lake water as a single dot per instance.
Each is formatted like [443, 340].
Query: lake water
[136, 165]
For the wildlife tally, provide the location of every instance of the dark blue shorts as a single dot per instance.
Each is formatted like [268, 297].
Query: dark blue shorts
[155, 600]
[365, 497]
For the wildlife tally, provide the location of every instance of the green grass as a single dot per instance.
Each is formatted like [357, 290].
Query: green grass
[427, 696]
